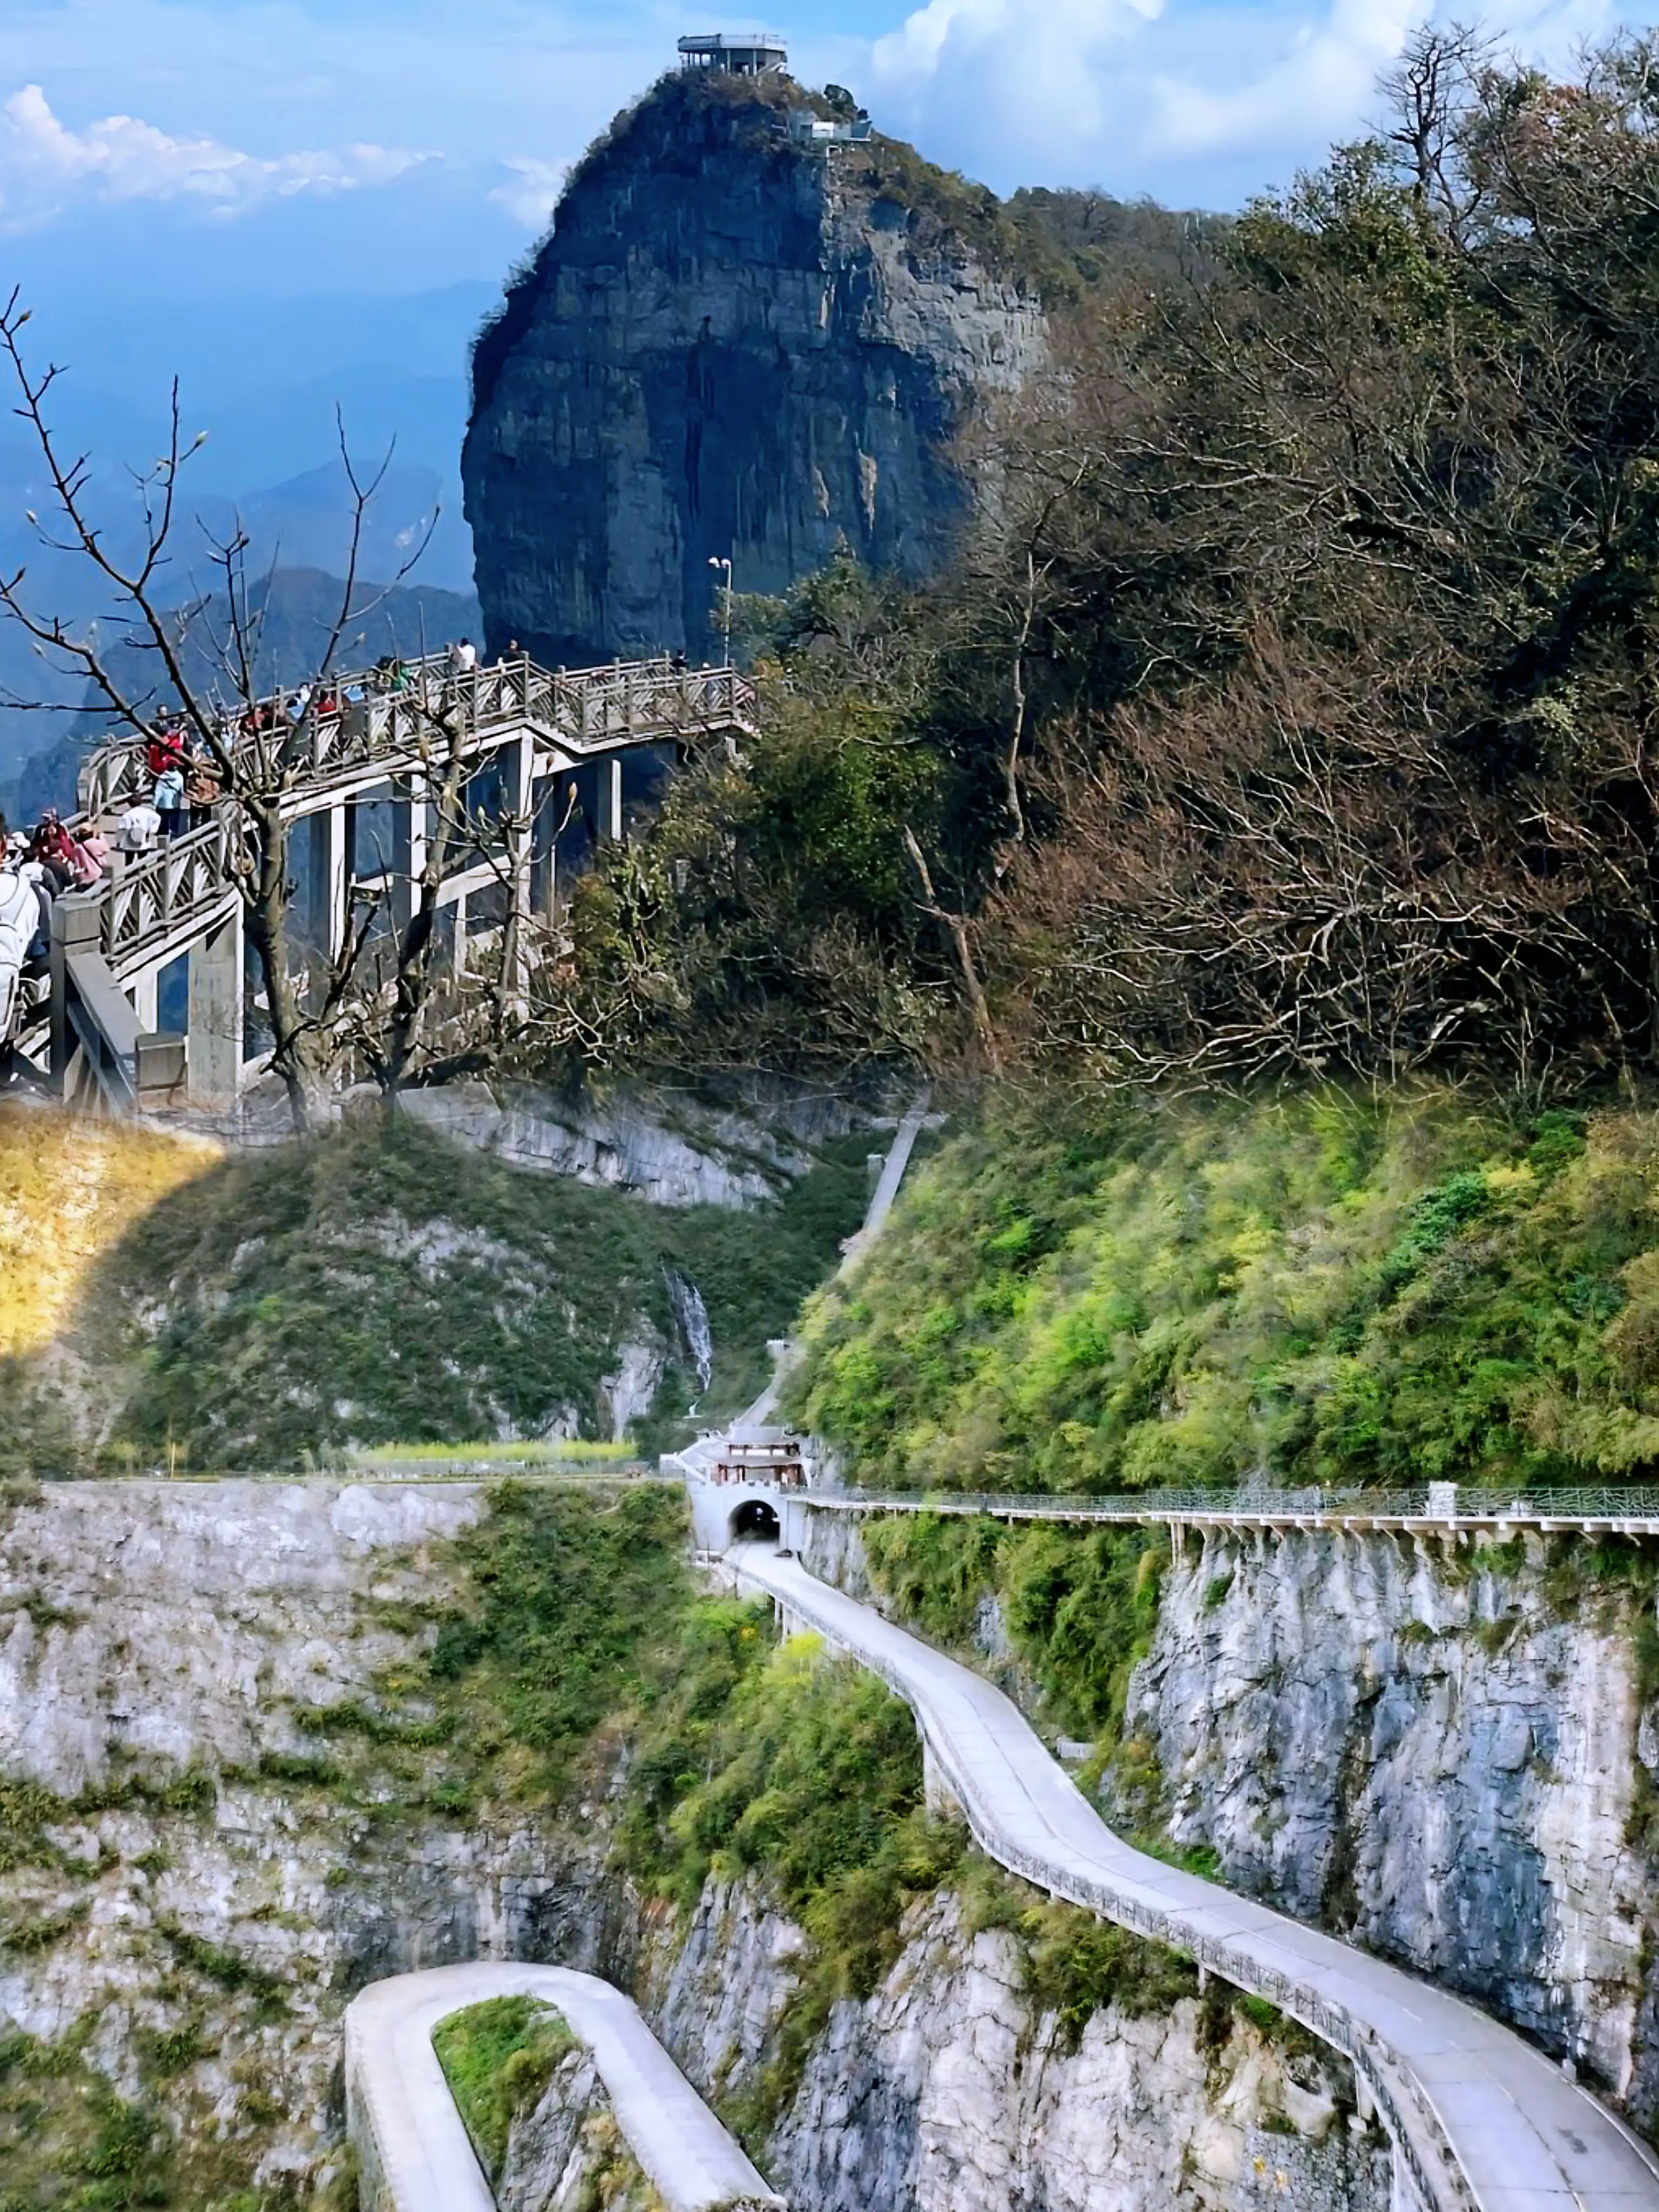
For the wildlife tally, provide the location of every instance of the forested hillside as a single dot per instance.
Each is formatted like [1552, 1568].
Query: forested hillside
[1316, 1289]
[1287, 711]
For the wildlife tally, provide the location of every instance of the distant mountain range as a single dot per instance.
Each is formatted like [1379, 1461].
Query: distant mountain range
[264, 380]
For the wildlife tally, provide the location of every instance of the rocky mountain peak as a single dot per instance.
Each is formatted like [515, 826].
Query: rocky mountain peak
[732, 344]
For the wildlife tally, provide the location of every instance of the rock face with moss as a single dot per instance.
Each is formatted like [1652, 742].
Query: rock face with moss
[1447, 1755]
[732, 346]
[261, 1743]
[972, 2078]
[228, 1799]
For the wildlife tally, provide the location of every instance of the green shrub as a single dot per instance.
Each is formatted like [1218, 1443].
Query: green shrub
[1079, 1605]
[571, 1599]
[1312, 1289]
[1077, 1964]
[498, 2059]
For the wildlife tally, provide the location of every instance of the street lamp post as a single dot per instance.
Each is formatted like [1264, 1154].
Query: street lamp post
[716, 562]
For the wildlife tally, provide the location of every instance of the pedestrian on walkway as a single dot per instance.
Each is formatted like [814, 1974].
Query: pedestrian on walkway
[169, 799]
[139, 827]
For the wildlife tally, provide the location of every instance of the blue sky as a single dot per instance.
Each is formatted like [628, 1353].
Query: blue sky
[278, 146]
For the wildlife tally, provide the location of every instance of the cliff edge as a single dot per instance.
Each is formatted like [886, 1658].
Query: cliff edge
[735, 345]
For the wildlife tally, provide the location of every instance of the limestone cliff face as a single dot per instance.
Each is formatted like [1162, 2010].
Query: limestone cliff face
[731, 346]
[184, 1883]
[1445, 1755]
[948, 2089]
[180, 1880]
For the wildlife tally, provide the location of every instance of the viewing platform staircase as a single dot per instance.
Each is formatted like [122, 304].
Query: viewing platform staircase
[100, 1041]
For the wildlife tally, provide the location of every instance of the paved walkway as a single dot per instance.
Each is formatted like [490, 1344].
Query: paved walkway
[416, 2154]
[1443, 1509]
[1479, 2117]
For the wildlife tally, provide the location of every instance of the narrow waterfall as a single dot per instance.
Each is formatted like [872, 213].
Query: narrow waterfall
[692, 1316]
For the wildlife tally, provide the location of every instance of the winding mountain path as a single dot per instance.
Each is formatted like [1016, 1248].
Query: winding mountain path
[415, 2152]
[1478, 2117]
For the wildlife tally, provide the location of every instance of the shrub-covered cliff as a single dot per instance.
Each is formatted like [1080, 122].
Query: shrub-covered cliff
[1318, 1289]
[262, 1743]
[732, 345]
[383, 1284]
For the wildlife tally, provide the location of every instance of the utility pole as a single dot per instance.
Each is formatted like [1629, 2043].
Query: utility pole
[716, 562]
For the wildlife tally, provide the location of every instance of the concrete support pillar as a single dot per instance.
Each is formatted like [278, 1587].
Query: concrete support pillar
[143, 997]
[521, 838]
[217, 1015]
[77, 925]
[331, 852]
[409, 842]
[458, 956]
[611, 799]
[938, 1795]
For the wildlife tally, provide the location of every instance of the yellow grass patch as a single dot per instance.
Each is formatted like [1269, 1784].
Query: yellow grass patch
[69, 1191]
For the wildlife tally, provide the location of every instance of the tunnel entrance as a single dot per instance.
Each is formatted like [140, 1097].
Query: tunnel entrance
[755, 1523]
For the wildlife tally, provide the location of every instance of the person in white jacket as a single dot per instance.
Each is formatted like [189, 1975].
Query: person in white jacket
[20, 924]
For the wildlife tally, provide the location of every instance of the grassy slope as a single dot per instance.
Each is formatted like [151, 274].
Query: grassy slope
[68, 1190]
[1322, 1290]
[498, 2059]
[381, 1284]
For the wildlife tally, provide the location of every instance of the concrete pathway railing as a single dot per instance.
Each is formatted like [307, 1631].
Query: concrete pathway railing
[1478, 2117]
[414, 2151]
[1598, 1509]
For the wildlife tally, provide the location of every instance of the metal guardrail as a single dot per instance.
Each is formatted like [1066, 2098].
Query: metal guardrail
[585, 710]
[1373, 2057]
[1450, 1503]
[171, 893]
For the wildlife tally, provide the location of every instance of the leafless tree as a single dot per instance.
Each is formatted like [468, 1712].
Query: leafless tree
[365, 1003]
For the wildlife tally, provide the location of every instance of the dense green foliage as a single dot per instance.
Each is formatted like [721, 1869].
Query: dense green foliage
[1324, 1290]
[1078, 1606]
[754, 1757]
[67, 2140]
[498, 2058]
[572, 1605]
[71, 2143]
[381, 1284]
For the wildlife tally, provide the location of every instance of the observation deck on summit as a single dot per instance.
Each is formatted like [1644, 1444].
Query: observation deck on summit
[746, 53]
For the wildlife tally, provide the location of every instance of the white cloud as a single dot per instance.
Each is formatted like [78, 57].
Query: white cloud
[1032, 76]
[1324, 72]
[1195, 99]
[45, 166]
[532, 190]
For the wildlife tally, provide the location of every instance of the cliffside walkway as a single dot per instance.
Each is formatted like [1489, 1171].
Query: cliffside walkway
[1440, 1509]
[534, 725]
[414, 2151]
[1477, 2117]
